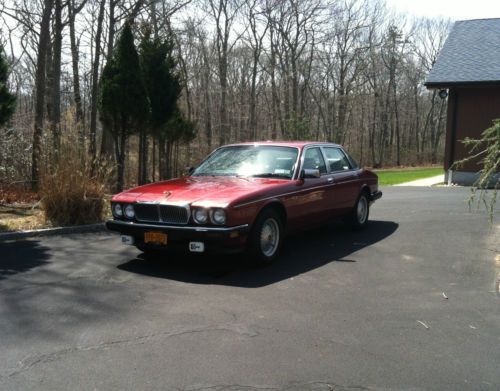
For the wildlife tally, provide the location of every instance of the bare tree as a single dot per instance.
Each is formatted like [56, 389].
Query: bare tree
[224, 13]
[40, 86]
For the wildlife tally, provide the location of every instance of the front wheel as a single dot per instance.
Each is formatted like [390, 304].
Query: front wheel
[359, 215]
[266, 237]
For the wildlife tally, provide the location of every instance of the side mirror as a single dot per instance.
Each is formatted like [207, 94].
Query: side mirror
[310, 173]
[190, 170]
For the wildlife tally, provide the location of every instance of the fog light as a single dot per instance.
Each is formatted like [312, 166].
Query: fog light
[200, 216]
[218, 216]
[129, 212]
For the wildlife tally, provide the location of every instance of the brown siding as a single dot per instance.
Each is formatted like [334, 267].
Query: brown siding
[476, 108]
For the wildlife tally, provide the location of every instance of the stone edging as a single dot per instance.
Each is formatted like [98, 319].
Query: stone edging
[52, 231]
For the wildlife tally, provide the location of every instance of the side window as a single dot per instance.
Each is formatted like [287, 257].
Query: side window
[337, 160]
[354, 163]
[313, 160]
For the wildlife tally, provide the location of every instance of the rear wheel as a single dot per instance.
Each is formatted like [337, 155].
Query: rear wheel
[266, 237]
[360, 213]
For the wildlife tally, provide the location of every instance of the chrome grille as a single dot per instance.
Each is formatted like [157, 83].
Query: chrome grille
[171, 214]
[174, 214]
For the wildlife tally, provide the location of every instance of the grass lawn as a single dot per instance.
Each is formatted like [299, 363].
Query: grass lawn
[394, 177]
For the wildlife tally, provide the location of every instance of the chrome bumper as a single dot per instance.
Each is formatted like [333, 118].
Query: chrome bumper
[135, 229]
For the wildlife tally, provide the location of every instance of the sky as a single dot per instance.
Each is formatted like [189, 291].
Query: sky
[452, 9]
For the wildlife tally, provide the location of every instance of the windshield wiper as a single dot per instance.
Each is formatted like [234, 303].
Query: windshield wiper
[270, 175]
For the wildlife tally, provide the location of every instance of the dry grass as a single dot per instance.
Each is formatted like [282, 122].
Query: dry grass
[15, 218]
[72, 197]
[70, 193]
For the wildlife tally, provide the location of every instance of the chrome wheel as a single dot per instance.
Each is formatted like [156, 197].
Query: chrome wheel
[362, 210]
[269, 237]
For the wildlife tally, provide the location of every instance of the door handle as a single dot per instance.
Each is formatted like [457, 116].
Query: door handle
[330, 180]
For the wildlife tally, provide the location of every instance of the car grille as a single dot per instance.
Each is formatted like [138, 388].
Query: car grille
[153, 213]
[174, 214]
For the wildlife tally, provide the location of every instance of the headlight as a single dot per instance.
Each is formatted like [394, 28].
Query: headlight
[129, 211]
[117, 210]
[218, 216]
[200, 216]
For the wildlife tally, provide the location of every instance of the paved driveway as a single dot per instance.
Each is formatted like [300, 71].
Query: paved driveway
[337, 311]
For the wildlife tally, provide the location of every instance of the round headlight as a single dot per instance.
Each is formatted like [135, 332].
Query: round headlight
[129, 212]
[200, 216]
[218, 216]
[117, 210]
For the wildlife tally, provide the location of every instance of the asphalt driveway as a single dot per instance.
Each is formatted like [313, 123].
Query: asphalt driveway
[409, 303]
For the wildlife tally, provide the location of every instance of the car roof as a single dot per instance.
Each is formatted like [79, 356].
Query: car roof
[296, 144]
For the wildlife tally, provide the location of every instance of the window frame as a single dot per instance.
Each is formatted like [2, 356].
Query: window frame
[303, 157]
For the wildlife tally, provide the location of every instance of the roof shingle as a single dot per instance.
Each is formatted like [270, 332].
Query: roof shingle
[471, 54]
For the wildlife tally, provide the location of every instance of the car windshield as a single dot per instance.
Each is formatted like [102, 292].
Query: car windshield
[250, 161]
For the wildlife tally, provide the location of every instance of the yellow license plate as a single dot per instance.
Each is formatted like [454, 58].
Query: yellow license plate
[155, 237]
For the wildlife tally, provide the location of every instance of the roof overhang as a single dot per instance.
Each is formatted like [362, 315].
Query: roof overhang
[451, 84]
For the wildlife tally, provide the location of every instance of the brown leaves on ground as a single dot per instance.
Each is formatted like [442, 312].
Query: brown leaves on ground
[17, 194]
[19, 208]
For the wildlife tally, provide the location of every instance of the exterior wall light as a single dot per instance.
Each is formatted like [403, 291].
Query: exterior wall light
[443, 94]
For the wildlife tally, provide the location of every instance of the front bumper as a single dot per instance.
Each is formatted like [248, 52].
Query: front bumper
[216, 239]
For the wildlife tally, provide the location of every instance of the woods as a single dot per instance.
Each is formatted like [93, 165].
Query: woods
[147, 88]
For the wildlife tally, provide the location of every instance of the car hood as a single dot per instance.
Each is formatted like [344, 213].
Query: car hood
[200, 191]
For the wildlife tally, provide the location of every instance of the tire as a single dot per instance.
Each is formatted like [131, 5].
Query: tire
[360, 213]
[266, 237]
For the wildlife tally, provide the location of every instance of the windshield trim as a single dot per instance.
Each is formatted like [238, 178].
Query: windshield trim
[295, 166]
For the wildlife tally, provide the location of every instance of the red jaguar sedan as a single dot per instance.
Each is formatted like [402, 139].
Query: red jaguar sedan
[247, 196]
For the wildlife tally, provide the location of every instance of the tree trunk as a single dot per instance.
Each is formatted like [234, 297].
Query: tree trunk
[107, 138]
[55, 114]
[253, 97]
[224, 125]
[40, 85]
[120, 142]
[276, 109]
[76, 74]
[153, 163]
[295, 92]
[417, 119]
[142, 177]
[206, 96]
[95, 82]
[398, 132]
[161, 158]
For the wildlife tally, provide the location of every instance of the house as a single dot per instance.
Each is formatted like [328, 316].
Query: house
[468, 71]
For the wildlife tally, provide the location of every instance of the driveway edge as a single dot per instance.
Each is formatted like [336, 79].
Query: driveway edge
[52, 231]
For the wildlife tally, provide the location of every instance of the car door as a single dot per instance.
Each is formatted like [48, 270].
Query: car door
[345, 189]
[308, 202]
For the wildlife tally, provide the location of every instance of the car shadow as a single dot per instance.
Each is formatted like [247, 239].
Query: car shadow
[21, 256]
[301, 253]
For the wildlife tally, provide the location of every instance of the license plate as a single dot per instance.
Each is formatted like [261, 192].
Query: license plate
[126, 239]
[196, 247]
[155, 237]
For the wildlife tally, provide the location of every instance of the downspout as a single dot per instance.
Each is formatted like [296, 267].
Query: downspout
[453, 137]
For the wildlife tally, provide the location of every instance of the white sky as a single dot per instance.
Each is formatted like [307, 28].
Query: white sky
[452, 9]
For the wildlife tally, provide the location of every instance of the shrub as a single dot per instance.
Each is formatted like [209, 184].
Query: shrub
[70, 195]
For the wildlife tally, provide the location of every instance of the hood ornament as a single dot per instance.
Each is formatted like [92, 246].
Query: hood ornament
[166, 194]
